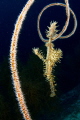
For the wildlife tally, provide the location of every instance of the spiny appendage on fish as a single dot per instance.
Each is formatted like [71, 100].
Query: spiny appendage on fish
[52, 87]
[49, 63]
[50, 78]
[39, 53]
[56, 54]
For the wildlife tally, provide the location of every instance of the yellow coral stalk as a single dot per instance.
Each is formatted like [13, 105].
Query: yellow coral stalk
[13, 61]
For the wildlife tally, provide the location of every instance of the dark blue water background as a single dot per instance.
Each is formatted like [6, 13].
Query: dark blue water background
[28, 35]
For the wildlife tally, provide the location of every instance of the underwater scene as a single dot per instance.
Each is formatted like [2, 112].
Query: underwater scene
[39, 60]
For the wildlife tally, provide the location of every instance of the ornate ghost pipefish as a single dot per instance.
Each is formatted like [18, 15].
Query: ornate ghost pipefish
[53, 56]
